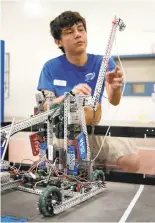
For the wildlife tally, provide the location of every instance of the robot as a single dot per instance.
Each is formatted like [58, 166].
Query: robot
[67, 175]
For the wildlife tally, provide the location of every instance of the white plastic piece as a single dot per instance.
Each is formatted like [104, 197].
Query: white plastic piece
[32, 175]
[50, 152]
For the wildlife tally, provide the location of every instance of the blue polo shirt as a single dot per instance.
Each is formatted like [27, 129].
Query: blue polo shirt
[60, 76]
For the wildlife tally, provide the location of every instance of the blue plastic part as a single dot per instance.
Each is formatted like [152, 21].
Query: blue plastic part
[13, 219]
[82, 146]
[2, 56]
[2, 150]
[43, 145]
[42, 165]
[71, 156]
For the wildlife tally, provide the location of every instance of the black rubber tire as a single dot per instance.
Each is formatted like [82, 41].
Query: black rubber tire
[44, 204]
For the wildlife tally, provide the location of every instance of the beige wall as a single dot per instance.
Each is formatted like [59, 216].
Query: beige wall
[141, 70]
[20, 148]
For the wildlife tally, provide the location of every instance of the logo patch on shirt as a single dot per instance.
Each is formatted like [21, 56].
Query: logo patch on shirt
[60, 82]
[89, 76]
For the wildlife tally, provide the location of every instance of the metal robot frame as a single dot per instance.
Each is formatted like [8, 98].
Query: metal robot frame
[74, 179]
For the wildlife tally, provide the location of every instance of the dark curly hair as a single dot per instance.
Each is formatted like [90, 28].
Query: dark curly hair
[65, 19]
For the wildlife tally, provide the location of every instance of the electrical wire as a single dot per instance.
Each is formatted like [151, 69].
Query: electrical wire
[104, 96]
[22, 162]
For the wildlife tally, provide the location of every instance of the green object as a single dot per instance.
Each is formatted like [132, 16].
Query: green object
[45, 200]
[97, 175]
[54, 106]
[40, 171]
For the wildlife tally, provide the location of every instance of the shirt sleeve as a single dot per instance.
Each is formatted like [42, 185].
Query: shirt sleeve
[111, 64]
[45, 80]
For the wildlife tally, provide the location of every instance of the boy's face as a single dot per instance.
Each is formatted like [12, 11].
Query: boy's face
[73, 39]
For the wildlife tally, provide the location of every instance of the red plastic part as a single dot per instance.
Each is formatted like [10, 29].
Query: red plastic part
[35, 144]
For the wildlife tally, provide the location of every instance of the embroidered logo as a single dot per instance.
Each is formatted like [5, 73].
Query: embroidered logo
[89, 77]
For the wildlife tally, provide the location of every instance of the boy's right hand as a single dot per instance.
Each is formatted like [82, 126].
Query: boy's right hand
[83, 89]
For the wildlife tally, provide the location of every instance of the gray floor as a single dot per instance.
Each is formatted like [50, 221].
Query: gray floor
[108, 207]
